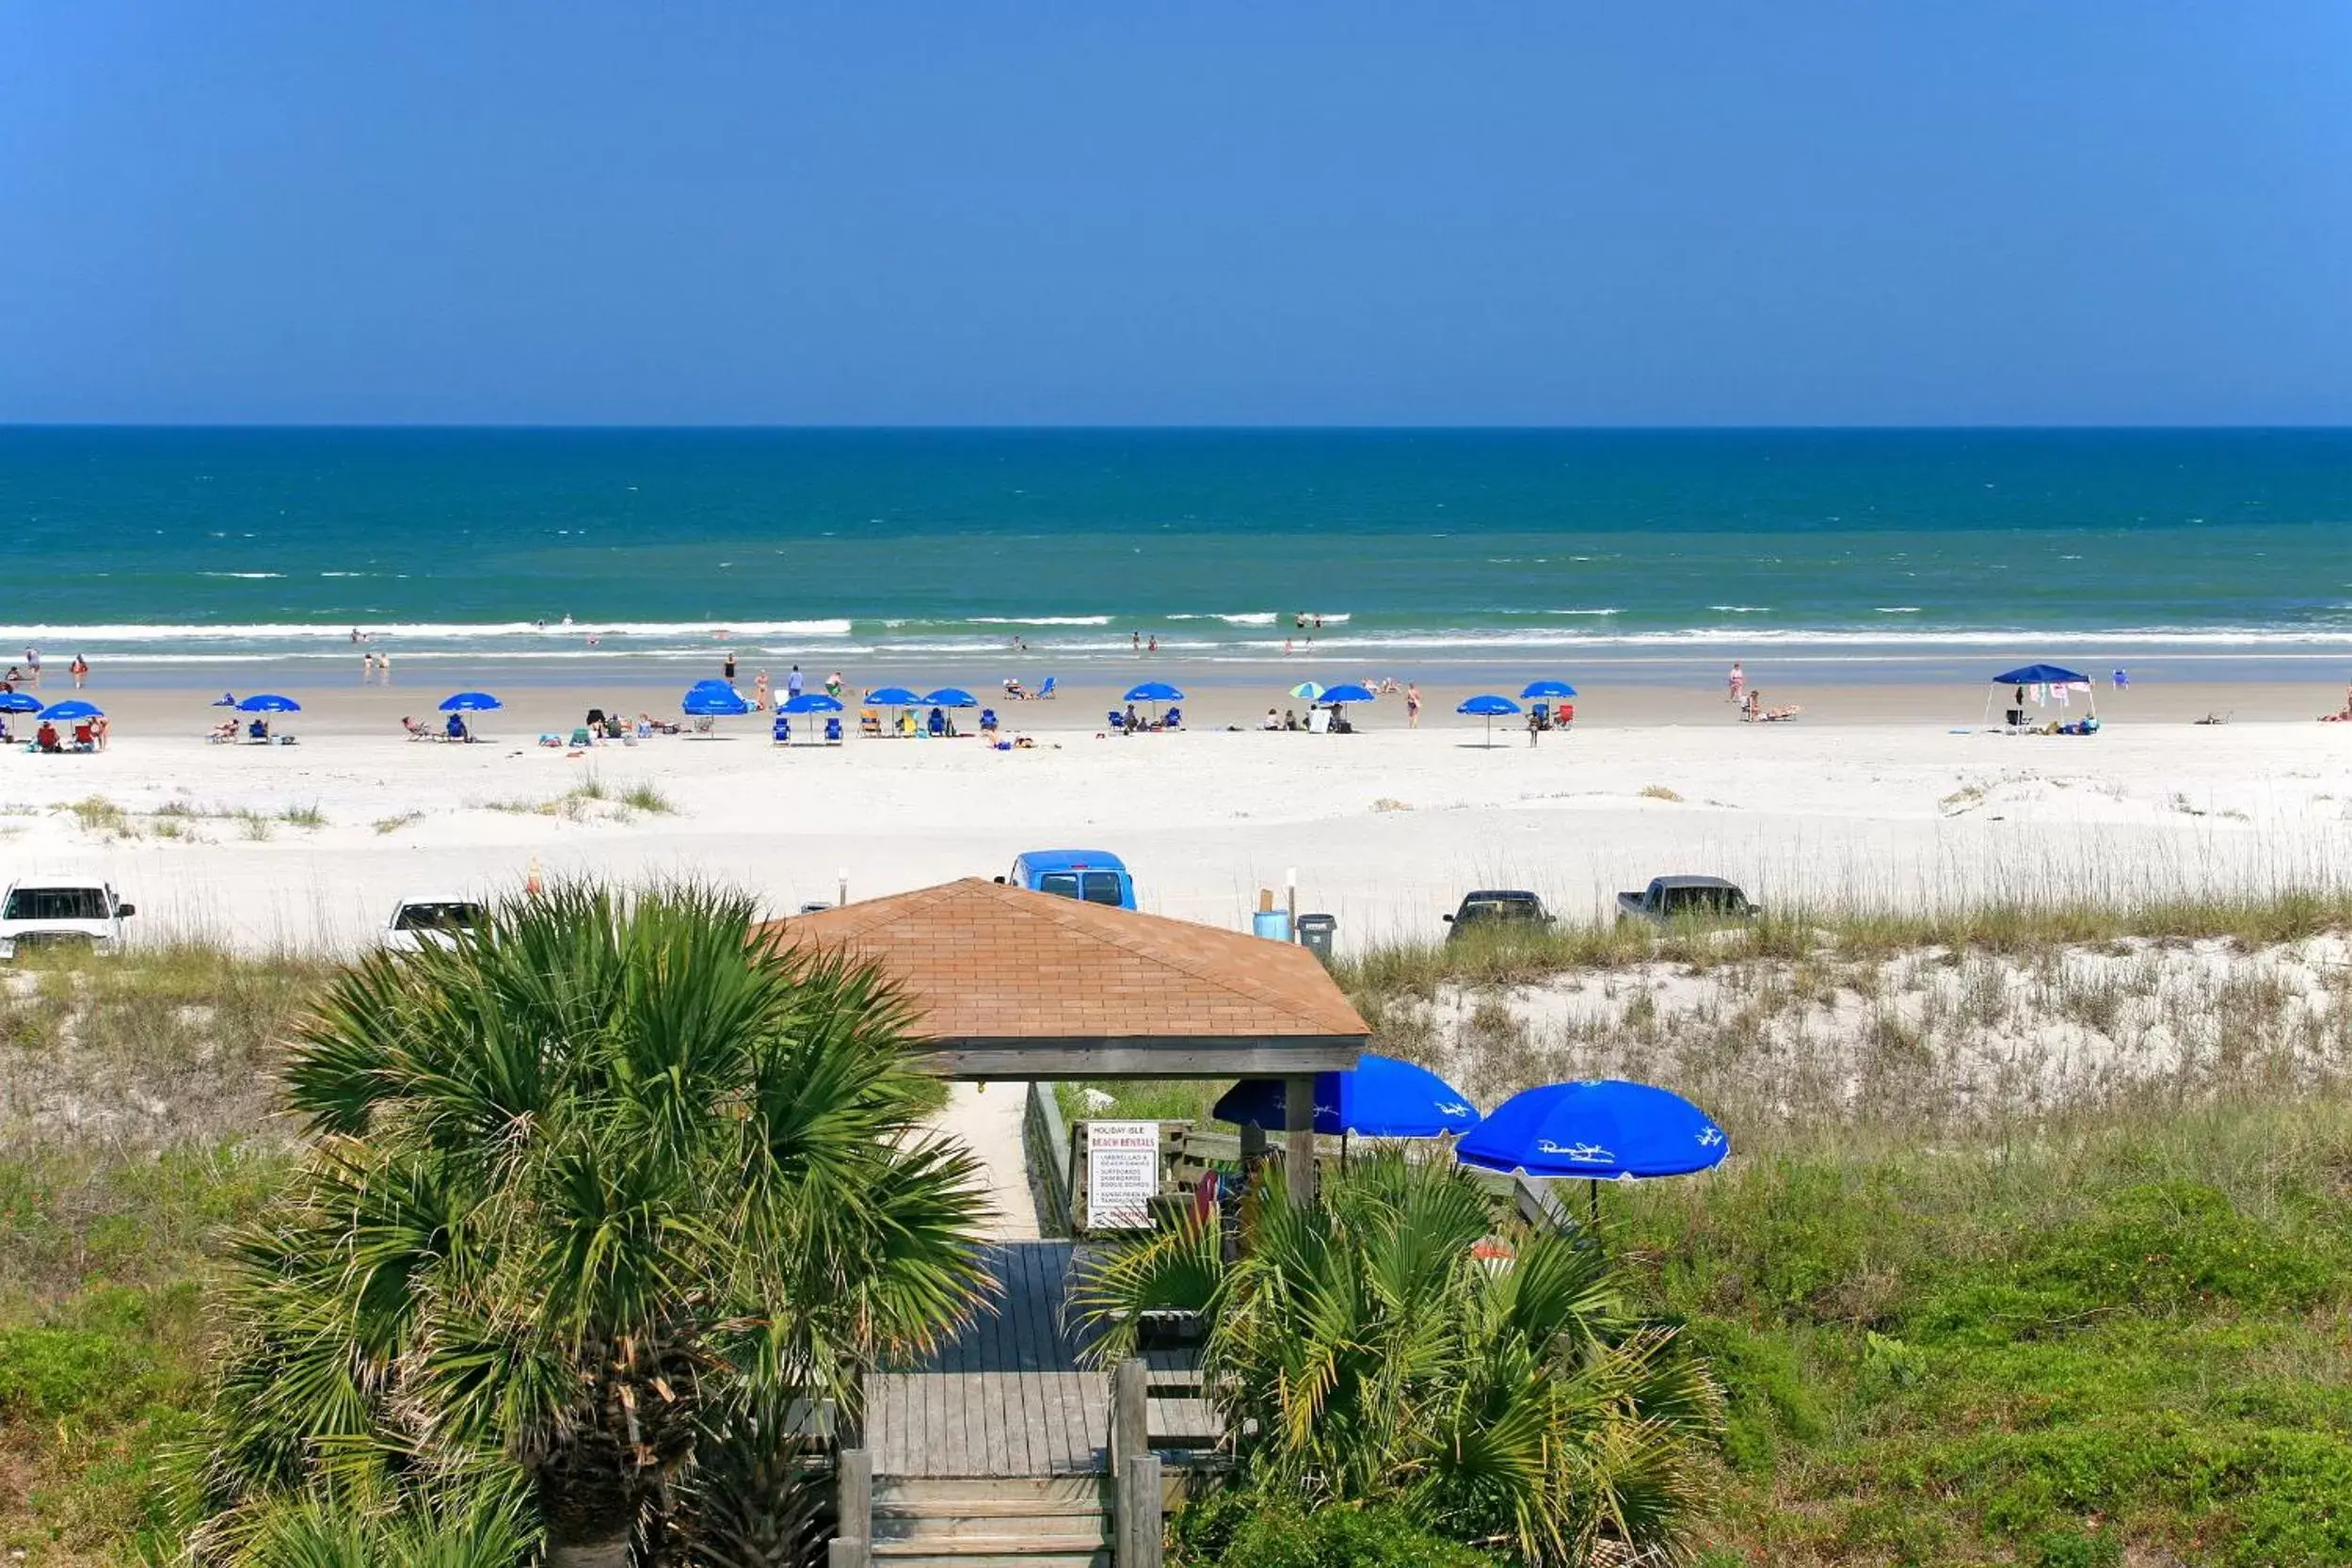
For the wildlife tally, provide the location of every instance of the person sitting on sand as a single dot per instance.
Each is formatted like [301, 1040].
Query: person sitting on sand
[46, 738]
[1753, 708]
[1273, 720]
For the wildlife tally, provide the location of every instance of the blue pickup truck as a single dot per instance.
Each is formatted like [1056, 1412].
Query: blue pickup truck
[1095, 875]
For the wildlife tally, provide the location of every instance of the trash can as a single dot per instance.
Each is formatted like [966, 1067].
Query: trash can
[1273, 925]
[1316, 932]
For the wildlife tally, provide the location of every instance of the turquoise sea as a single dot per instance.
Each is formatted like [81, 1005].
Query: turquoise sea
[163, 545]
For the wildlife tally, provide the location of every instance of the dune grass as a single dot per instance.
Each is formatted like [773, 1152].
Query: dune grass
[2080, 1334]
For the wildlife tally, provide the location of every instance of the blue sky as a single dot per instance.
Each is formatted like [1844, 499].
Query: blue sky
[1558, 211]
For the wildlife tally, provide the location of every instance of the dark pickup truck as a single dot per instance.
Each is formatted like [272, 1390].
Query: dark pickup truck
[1674, 898]
[1498, 909]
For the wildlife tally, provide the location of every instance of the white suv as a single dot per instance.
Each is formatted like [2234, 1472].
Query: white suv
[59, 913]
[434, 919]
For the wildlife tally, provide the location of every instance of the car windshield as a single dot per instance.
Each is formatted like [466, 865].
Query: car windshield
[1700, 901]
[1094, 886]
[57, 904]
[1500, 909]
[437, 917]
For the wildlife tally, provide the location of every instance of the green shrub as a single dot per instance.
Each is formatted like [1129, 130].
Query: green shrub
[48, 1374]
[1245, 1530]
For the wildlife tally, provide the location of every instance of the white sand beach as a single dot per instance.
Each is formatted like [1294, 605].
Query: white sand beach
[1882, 796]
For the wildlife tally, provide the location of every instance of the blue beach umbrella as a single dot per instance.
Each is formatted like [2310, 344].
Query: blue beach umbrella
[20, 702]
[470, 702]
[268, 702]
[811, 702]
[950, 696]
[1337, 694]
[1548, 689]
[1382, 1098]
[70, 709]
[714, 699]
[1154, 690]
[1490, 707]
[893, 696]
[1307, 691]
[226, 699]
[1599, 1129]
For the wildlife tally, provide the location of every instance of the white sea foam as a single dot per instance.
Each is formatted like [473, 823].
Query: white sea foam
[1027, 620]
[422, 630]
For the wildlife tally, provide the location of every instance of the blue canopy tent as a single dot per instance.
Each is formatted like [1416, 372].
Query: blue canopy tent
[1490, 707]
[1380, 1097]
[2029, 677]
[1604, 1128]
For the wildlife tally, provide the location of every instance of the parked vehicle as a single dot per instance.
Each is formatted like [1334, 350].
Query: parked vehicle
[1496, 909]
[1094, 875]
[1677, 898]
[48, 914]
[433, 918]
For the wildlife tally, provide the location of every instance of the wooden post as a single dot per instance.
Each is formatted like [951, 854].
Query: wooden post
[1298, 1155]
[1131, 1431]
[853, 1480]
[1140, 1521]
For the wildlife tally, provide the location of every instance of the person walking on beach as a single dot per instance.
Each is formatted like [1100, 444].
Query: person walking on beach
[383, 668]
[32, 667]
[367, 668]
[80, 670]
[1739, 683]
[791, 682]
[759, 692]
[1535, 726]
[727, 668]
[1412, 706]
[1135, 641]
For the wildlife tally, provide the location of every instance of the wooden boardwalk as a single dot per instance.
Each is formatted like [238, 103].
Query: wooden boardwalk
[1008, 1397]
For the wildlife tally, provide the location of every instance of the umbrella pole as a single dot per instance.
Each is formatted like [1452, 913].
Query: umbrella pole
[1593, 1194]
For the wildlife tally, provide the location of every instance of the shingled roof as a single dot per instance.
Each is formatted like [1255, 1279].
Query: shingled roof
[1018, 984]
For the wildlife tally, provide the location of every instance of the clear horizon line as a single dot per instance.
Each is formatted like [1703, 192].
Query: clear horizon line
[1174, 427]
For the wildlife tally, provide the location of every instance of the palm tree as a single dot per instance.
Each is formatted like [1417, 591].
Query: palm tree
[599, 1202]
[1363, 1346]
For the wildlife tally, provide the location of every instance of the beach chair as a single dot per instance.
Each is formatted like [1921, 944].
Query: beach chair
[256, 731]
[455, 729]
[833, 729]
[938, 725]
[908, 728]
[869, 721]
[582, 736]
[85, 736]
[1118, 721]
[988, 721]
[1043, 693]
[1175, 719]
[780, 732]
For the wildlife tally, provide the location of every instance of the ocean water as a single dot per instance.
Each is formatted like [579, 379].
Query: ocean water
[155, 546]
